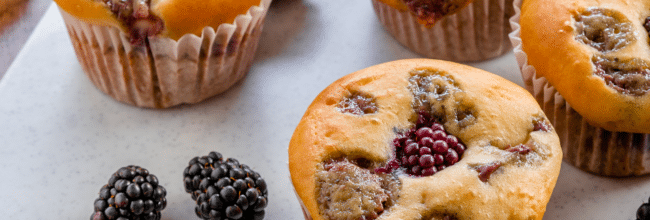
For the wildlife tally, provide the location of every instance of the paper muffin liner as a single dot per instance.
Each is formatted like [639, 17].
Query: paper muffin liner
[165, 72]
[477, 32]
[592, 149]
[305, 212]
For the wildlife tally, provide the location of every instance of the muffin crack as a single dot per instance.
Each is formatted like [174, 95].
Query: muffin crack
[603, 29]
[137, 17]
[358, 103]
[347, 190]
[626, 76]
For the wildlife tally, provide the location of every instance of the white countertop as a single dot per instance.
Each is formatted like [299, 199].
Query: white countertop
[61, 138]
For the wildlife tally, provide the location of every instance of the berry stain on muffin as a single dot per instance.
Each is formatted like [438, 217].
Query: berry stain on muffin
[486, 170]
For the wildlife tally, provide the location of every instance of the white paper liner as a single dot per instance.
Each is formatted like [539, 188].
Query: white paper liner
[589, 148]
[305, 212]
[477, 32]
[168, 72]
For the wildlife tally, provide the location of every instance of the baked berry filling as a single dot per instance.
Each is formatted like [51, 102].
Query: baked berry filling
[347, 190]
[528, 154]
[629, 76]
[521, 149]
[437, 216]
[465, 117]
[430, 11]
[603, 29]
[137, 17]
[433, 92]
[541, 125]
[486, 170]
[429, 88]
[425, 149]
[358, 104]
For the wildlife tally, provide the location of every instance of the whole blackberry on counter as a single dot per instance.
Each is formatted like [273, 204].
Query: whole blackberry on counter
[643, 213]
[225, 189]
[131, 193]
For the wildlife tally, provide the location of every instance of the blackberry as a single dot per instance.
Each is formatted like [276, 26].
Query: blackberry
[225, 189]
[131, 193]
[424, 149]
[643, 213]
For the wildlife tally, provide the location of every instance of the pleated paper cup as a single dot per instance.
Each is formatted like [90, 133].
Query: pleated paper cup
[305, 212]
[475, 33]
[592, 149]
[164, 72]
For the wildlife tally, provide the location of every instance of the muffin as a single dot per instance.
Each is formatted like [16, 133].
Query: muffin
[424, 139]
[163, 53]
[587, 66]
[455, 30]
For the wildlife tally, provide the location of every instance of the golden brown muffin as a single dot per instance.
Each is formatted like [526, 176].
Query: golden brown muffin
[591, 75]
[162, 53]
[456, 30]
[350, 156]
[595, 53]
[179, 17]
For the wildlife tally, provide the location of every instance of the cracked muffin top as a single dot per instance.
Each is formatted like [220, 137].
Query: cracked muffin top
[424, 139]
[428, 11]
[596, 54]
[170, 18]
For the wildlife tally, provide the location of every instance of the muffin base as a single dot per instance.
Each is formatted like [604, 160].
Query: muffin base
[477, 32]
[592, 149]
[164, 72]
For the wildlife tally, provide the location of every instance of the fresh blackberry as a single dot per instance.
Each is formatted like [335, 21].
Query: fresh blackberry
[225, 189]
[643, 213]
[131, 193]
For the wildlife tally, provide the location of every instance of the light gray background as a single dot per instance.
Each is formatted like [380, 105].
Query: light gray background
[61, 138]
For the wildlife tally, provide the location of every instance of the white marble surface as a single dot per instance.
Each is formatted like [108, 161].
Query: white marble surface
[61, 139]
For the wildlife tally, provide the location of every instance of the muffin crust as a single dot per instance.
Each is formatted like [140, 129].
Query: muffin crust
[505, 130]
[605, 79]
[179, 17]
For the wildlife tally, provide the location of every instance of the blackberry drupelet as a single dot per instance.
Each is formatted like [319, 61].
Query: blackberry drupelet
[225, 189]
[131, 193]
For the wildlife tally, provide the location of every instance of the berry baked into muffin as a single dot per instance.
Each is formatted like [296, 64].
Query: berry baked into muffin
[589, 68]
[456, 30]
[161, 53]
[424, 139]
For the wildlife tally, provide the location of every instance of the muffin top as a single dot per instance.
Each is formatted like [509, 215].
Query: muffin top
[171, 18]
[363, 148]
[596, 54]
[428, 11]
